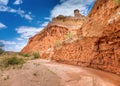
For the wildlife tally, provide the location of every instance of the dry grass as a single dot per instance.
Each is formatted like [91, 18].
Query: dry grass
[15, 59]
[8, 60]
[36, 55]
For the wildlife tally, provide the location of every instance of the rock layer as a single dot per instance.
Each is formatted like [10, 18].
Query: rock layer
[45, 39]
[99, 40]
[53, 35]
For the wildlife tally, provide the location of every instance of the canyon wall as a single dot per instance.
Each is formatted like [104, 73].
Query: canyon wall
[98, 45]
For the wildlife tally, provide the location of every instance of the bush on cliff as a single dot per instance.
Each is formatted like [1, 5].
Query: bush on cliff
[69, 35]
[36, 55]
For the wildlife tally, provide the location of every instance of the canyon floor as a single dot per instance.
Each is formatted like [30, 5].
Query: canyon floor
[47, 73]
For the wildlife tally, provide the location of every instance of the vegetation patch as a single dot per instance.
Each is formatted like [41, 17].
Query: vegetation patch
[10, 61]
[14, 61]
[24, 54]
[35, 74]
[69, 35]
[36, 55]
[36, 64]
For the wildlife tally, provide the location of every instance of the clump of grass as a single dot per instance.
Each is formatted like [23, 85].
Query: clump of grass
[36, 64]
[36, 55]
[14, 61]
[9, 61]
[69, 35]
[35, 74]
[24, 54]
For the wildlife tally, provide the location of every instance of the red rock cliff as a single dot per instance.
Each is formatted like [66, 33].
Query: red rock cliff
[98, 45]
[53, 34]
[45, 39]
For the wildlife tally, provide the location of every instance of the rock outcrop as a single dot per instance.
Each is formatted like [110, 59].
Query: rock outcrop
[45, 39]
[98, 45]
[53, 35]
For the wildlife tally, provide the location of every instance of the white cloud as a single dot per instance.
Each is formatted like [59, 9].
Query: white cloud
[20, 12]
[47, 18]
[7, 9]
[27, 32]
[17, 47]
[27, 16]
[66, 7]
[19, 38]
[4, 2]
[2, 25]
[45, 24]
[13, 45]
[18, 2]
[7, 42]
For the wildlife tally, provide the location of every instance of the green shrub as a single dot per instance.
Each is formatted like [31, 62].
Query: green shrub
[15, 61]
[5, 62]
[24, 54]
[36, 55]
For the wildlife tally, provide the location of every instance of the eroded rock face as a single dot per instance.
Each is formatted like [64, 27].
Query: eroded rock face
[45, 39]
[99, 40]
[102, 14]
[53, 35]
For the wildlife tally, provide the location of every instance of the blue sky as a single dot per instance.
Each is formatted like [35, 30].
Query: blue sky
[22, 19]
